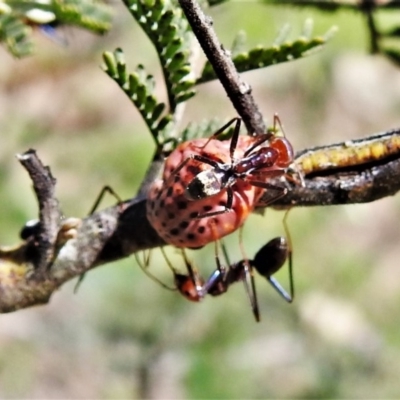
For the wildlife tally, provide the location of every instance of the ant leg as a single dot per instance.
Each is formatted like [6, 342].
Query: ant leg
[223, 129]
[234, 139]
[270, 134]
[258, 142]
[281, 191]
[144, 267]
[217, 283]
[248, 280]
[272, 257]
[193, 274]
[278, 122]
[195, 157]
[290, 254]
[190, 286]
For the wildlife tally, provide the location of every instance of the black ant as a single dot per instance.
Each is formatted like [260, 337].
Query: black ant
[268, 260]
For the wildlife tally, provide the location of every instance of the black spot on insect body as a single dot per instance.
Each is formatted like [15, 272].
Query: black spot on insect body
[174, 231]
[201, 229]
[191, 236]
[222, 203]
[170, 191]
[193, 214]
[207, 208]
[171, 215]
[182, 205]
[184, 224]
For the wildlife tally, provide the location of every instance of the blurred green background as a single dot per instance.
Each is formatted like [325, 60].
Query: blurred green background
[123, 336]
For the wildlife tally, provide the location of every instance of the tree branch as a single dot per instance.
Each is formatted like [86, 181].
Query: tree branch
[352, 172]
[238, 91]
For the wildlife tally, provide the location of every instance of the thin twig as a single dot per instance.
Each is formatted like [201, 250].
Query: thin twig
[49, 210]
[238, 91]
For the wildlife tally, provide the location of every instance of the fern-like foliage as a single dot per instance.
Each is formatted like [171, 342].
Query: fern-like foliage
[139, 87]
[379, 34]
[168, 30]
[205, 128]
[14, 34]
[281, 51]
[17, 17]
[390, 45]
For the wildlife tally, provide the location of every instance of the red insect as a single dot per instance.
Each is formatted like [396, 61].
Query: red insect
[210, 186]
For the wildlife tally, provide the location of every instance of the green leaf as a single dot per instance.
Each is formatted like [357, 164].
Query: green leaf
[392, 33]
[239, 43]
[133, 84]
[164, 122]
[111, 66]
[139, 87]
[179, 74]
[185, 96]
[15, 35]
[157, 111]
[168, 30]
[165, 21]
[216, 2]
[280, 52]
[172, 47]
[177, 62]
[18, 15]
[183, 86]
[393, 54]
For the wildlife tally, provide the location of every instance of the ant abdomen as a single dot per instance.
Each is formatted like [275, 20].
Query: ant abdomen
[272, 256]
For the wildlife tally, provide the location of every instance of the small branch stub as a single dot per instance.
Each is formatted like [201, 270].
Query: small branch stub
[49, 210]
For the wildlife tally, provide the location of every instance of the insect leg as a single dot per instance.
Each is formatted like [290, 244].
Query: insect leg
[248, 280]
[223, 129]
[228, 206]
